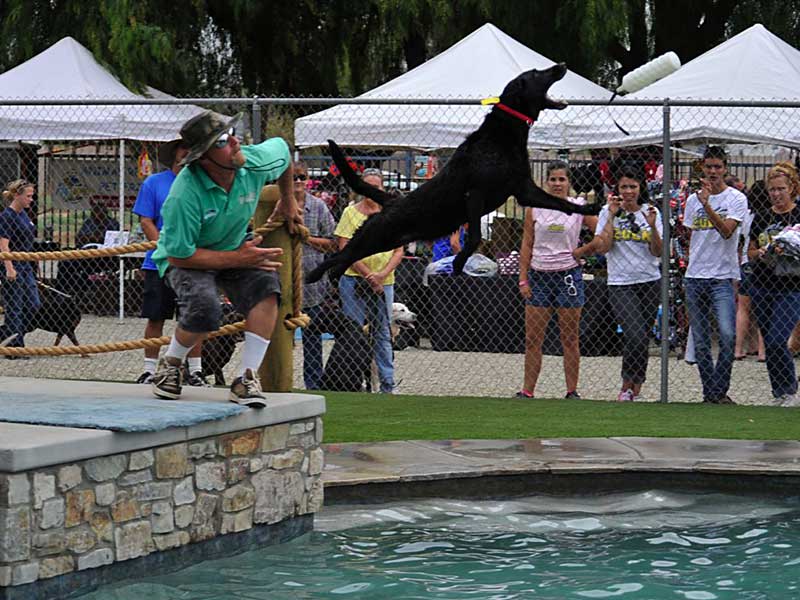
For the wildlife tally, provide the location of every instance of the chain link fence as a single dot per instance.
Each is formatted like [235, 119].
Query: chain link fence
[482, 333]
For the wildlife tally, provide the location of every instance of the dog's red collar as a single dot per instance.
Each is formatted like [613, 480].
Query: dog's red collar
[515, 113]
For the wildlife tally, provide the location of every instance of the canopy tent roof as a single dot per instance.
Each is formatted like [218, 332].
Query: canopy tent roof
[753, 65]
[68, 71]
[478, 66]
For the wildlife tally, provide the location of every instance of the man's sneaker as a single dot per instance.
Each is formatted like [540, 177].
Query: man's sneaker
[625, 396]
[246, 390]
[523, 394]
[168, 379]
[196, 379]
[573, 395]
[146, 377]
[789, 400]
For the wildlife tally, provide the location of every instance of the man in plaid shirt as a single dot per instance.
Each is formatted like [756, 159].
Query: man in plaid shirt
[319, 221]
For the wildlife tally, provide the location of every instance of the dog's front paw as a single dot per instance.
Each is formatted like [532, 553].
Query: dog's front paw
[458, 264]
[591, 209]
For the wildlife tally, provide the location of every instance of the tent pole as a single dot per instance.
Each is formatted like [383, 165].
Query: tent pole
[121, 227]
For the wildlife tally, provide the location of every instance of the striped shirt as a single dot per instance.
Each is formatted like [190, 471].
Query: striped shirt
[319, 221]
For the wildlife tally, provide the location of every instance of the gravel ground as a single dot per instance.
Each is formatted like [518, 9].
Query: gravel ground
[417, 370]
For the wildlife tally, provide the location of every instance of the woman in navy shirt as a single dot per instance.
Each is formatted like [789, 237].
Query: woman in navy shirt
[775, 297]
[20, 295]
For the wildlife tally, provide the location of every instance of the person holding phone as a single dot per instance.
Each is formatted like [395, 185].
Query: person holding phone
[629, 234]
[713, 215]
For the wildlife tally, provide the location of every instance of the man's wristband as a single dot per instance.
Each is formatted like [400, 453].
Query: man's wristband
[523, 283]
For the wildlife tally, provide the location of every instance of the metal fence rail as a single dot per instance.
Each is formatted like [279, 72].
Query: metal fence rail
[469, 336]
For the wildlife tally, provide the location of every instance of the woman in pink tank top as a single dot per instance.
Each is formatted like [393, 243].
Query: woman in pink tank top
[551, 279]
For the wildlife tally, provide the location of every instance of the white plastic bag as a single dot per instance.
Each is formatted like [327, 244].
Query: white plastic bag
[477, 265]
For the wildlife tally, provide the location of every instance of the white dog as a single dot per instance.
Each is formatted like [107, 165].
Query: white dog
[401, 314]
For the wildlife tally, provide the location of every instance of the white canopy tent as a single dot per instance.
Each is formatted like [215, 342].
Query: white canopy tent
[68, 71]
[754, 65]
[477, 67]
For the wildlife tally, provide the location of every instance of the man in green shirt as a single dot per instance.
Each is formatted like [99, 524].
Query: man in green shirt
[204, 244]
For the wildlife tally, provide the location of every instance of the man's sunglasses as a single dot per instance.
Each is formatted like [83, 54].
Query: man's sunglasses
[300, 176]
[222, 140]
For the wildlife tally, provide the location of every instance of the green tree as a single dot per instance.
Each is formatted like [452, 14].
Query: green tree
[345, 47]
[142, 42]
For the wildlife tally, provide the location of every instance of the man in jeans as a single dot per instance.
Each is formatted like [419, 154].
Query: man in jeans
[713, 215]
[319, 221]
[204, 243]
[367, 287]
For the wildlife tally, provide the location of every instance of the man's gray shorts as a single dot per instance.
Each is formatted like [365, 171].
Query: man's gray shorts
[198, 294]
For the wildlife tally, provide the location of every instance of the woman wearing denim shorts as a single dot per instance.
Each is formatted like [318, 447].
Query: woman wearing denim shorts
[550, 279]
[629, 233]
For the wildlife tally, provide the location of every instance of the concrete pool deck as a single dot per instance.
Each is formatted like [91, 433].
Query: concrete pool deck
[82, 507]
[358, 471]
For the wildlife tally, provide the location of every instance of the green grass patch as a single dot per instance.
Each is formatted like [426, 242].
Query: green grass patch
[355, 417]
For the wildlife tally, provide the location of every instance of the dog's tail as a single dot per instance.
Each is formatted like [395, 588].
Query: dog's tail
[352, 179]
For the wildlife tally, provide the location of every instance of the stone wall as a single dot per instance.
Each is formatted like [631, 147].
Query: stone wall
[73, 517]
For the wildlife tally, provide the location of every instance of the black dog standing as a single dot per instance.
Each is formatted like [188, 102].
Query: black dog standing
[488, 167]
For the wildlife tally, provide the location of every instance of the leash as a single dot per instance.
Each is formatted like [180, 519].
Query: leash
[614, 95]
[52, 289]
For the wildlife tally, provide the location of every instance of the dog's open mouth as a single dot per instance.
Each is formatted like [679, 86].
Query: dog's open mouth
[558, 70]
[556, 103]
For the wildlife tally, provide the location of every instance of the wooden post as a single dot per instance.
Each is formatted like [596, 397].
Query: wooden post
[277, 370]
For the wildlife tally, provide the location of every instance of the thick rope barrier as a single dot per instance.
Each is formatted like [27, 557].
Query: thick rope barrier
[297, 318]
[108, 347]
[77, 254]
[301, 234]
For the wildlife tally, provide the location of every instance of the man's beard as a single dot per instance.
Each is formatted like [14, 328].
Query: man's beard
[238, 159]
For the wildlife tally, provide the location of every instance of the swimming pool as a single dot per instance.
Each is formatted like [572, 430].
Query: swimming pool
[651, 544]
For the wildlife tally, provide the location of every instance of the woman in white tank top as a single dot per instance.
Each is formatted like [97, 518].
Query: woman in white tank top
[550, 279]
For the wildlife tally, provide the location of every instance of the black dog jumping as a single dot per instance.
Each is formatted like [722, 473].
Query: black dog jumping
[488, 167]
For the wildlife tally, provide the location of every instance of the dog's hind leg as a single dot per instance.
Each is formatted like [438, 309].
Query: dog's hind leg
[372, 237]
[474, 212]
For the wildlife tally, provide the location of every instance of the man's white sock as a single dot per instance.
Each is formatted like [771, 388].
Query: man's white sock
[195, 364]
[255, 347]
[177, 350]
[150, 365]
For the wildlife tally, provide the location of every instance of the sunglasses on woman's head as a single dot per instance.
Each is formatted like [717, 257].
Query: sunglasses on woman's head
[300, 176]
[222, 140]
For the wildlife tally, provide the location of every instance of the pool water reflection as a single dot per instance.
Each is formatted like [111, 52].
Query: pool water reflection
[636, 545]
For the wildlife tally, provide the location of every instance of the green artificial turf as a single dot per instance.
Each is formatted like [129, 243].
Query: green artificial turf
[353, 417]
